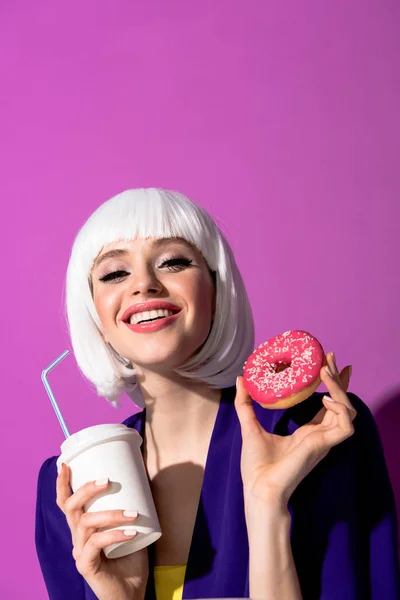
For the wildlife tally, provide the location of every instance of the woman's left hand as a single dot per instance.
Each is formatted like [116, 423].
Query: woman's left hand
[272, 466]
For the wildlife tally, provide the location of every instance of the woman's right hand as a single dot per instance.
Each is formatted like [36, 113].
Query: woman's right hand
[110, 579]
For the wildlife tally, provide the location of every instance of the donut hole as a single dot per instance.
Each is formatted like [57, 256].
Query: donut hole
[281, 367]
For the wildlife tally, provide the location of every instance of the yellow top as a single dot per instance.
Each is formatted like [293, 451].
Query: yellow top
[169, 581]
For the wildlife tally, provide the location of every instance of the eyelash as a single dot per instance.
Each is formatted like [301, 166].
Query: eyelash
[177, 260]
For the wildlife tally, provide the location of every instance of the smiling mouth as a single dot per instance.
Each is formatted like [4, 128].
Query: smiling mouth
[150, 320]
[148, 325]
[167, 314]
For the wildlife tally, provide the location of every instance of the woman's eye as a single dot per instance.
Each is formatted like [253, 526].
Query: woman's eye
[172, 263]
[114, 276]
[178, 261]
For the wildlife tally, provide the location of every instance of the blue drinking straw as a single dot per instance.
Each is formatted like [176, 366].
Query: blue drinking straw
[50, 393]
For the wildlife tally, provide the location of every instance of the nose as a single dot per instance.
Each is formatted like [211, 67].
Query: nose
[144, 281]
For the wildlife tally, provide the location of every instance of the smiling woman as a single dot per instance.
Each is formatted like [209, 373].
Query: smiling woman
[293, 503]
[177, 276]
[106, 239]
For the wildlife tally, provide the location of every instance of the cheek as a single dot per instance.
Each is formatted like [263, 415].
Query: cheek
[105, 306]
[204, 297]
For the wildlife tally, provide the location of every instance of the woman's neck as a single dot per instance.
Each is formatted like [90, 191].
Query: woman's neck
[180, 416]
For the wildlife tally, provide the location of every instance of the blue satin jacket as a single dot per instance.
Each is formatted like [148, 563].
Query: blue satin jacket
[343, 530]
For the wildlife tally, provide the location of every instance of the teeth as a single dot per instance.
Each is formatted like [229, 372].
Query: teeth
[150, 314]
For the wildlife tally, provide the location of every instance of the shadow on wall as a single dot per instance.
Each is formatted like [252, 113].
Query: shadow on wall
[387, 418]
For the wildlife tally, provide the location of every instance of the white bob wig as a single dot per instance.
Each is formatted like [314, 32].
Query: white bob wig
[156, 213]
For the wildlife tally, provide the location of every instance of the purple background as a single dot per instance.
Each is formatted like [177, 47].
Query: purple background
[280, 118]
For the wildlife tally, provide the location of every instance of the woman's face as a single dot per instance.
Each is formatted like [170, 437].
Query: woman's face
[166, 269]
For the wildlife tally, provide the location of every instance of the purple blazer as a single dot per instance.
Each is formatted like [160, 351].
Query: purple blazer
[344, 524]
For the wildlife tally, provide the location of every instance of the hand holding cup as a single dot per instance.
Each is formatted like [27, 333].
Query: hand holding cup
[119, 578]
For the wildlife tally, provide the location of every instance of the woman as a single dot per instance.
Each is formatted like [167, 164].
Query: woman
[285, 504]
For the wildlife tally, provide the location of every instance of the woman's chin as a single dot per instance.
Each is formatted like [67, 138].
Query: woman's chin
[163, 359]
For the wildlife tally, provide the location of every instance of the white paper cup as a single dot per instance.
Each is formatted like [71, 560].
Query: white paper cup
[113, 452]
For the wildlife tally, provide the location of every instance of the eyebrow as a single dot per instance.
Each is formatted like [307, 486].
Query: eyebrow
[117, 252]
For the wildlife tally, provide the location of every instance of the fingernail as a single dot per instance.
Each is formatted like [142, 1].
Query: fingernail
[130, 513]
[329, 399]
[237, 382]
[130, 532]
[100, 482]
[327, 369]
[333, 357]
[350, 370]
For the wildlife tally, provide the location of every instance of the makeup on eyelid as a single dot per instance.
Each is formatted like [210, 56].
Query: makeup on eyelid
[179, 260]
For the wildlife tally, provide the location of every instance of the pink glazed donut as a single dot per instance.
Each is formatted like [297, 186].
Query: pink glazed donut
[285, 370]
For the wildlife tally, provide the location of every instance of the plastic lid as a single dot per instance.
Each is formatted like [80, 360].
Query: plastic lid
[92, 436]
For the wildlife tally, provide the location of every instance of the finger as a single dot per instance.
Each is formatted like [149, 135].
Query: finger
[331, 360]
[344, 428]
[323, 416]
[95, 544]
[332, 383]
[335, 390]
[343, 378]
[315, 442]
[90, 522]
[244, 409]
[317, 420]
[345, 375]
[74, 505]
[85, 493]
[63, 490]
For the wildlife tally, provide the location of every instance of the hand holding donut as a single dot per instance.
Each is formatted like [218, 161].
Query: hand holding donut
[119, 578]
[272, 466]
